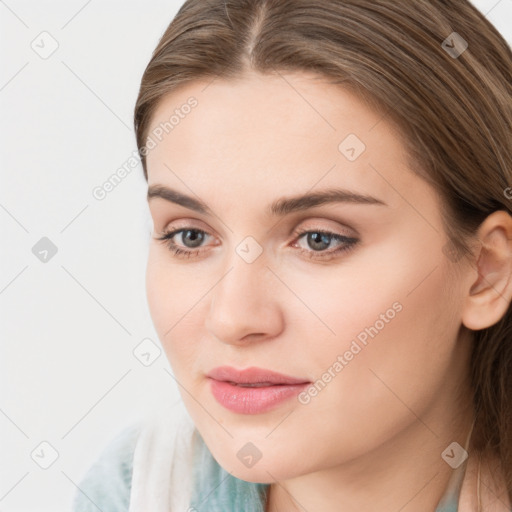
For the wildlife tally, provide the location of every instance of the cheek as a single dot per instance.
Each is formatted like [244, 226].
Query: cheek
[396, 330]
[159, 294]
[175, 301]
[401, 290]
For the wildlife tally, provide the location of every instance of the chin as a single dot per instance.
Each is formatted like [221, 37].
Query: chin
[265, 471]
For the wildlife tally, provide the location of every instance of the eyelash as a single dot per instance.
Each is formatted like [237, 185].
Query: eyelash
[349, 243]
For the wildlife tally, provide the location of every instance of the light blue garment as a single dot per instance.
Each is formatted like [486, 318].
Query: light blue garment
[216, 490]
[107, 484]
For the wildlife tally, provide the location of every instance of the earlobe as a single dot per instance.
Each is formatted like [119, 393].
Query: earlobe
[489, 295]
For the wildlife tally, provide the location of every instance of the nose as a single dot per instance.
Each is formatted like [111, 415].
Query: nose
[244, 305]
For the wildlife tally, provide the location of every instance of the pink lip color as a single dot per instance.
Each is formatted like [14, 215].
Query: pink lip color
[227, 389]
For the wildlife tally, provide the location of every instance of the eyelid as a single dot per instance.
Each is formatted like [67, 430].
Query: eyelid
[323, 224]
[174, 225]
[300, 225]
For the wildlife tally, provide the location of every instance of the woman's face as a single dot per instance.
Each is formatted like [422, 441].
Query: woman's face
[365, 306]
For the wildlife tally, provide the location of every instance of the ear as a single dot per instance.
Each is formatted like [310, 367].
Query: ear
[490, 294]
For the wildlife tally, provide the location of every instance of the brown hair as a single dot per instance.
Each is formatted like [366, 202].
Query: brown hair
[454, 111]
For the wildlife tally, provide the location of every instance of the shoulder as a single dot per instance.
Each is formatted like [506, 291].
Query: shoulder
[107, 483]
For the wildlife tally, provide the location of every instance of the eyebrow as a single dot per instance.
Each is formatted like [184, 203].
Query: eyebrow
[280, 207]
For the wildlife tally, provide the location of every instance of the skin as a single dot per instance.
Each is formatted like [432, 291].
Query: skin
[376, 431]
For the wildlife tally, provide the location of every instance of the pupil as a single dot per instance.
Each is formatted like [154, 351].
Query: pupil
[196, 237]
[316, 238]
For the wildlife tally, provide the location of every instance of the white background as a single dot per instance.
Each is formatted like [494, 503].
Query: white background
[68, 327]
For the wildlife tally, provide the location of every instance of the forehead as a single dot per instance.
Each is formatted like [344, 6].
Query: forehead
[289, 131]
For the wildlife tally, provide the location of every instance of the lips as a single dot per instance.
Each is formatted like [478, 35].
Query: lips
[253, 390]
[253, 377]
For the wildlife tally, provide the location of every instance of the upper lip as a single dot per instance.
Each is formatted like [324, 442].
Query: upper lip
[252, 375]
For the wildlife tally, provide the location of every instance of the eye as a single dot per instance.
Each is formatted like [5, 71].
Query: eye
[318, 240]
[190, 235]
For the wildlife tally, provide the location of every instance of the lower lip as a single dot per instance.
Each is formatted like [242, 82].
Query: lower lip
[252, 400]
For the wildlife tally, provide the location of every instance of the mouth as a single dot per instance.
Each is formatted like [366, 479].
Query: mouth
[253, 377]
[252, 390]
[254, 384]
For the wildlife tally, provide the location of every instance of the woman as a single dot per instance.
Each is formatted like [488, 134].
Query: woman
[330, 267]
